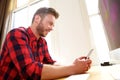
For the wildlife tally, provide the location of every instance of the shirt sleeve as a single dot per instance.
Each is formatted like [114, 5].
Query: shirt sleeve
[21, 55]
[47, 58]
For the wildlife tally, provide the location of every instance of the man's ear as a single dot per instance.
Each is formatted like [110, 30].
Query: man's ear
[37, 19]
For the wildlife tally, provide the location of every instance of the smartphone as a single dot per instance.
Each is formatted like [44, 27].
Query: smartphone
[89, 53]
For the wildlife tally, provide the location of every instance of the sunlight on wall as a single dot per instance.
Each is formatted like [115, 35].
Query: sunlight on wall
[100, 40]
[98, 31]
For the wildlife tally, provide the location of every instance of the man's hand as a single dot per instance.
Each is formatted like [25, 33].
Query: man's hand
[81, 65]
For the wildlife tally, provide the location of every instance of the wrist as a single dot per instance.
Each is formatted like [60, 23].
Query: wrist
[72, 69]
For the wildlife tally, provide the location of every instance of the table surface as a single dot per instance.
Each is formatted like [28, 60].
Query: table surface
[100, 73]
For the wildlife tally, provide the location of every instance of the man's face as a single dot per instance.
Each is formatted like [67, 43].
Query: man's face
[45, 25]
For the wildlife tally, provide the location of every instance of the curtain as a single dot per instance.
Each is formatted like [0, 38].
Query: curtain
[6, 7]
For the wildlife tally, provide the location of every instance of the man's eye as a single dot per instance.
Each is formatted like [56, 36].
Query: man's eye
[51, 24]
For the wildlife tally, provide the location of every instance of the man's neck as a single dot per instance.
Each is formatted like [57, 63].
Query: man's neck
[34, 31]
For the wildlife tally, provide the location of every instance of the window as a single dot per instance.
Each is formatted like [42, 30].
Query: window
[22, 16]
[21, 2]
[98, 31]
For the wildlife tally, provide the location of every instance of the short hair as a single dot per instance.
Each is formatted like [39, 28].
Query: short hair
[44, 11]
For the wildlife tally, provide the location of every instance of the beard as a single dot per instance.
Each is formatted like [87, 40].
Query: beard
[41, 31]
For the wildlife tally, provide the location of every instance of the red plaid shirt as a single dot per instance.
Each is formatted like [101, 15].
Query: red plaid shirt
[23, 56]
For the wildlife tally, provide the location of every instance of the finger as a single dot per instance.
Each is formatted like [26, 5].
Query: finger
[83, 57]
[88, 61]
[86, 68]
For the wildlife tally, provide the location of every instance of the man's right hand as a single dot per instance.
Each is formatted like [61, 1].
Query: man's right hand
[81, 65]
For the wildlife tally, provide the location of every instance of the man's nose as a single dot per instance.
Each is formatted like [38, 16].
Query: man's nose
[50, 27]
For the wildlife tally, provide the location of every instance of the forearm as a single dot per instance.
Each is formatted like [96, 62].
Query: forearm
[53, 72]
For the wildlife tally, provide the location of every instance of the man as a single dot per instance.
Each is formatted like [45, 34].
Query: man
[25, 53]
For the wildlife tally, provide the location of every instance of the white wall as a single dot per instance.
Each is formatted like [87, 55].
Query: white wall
[71, 37]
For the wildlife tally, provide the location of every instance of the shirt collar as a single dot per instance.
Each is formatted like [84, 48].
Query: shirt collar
[31, 34]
